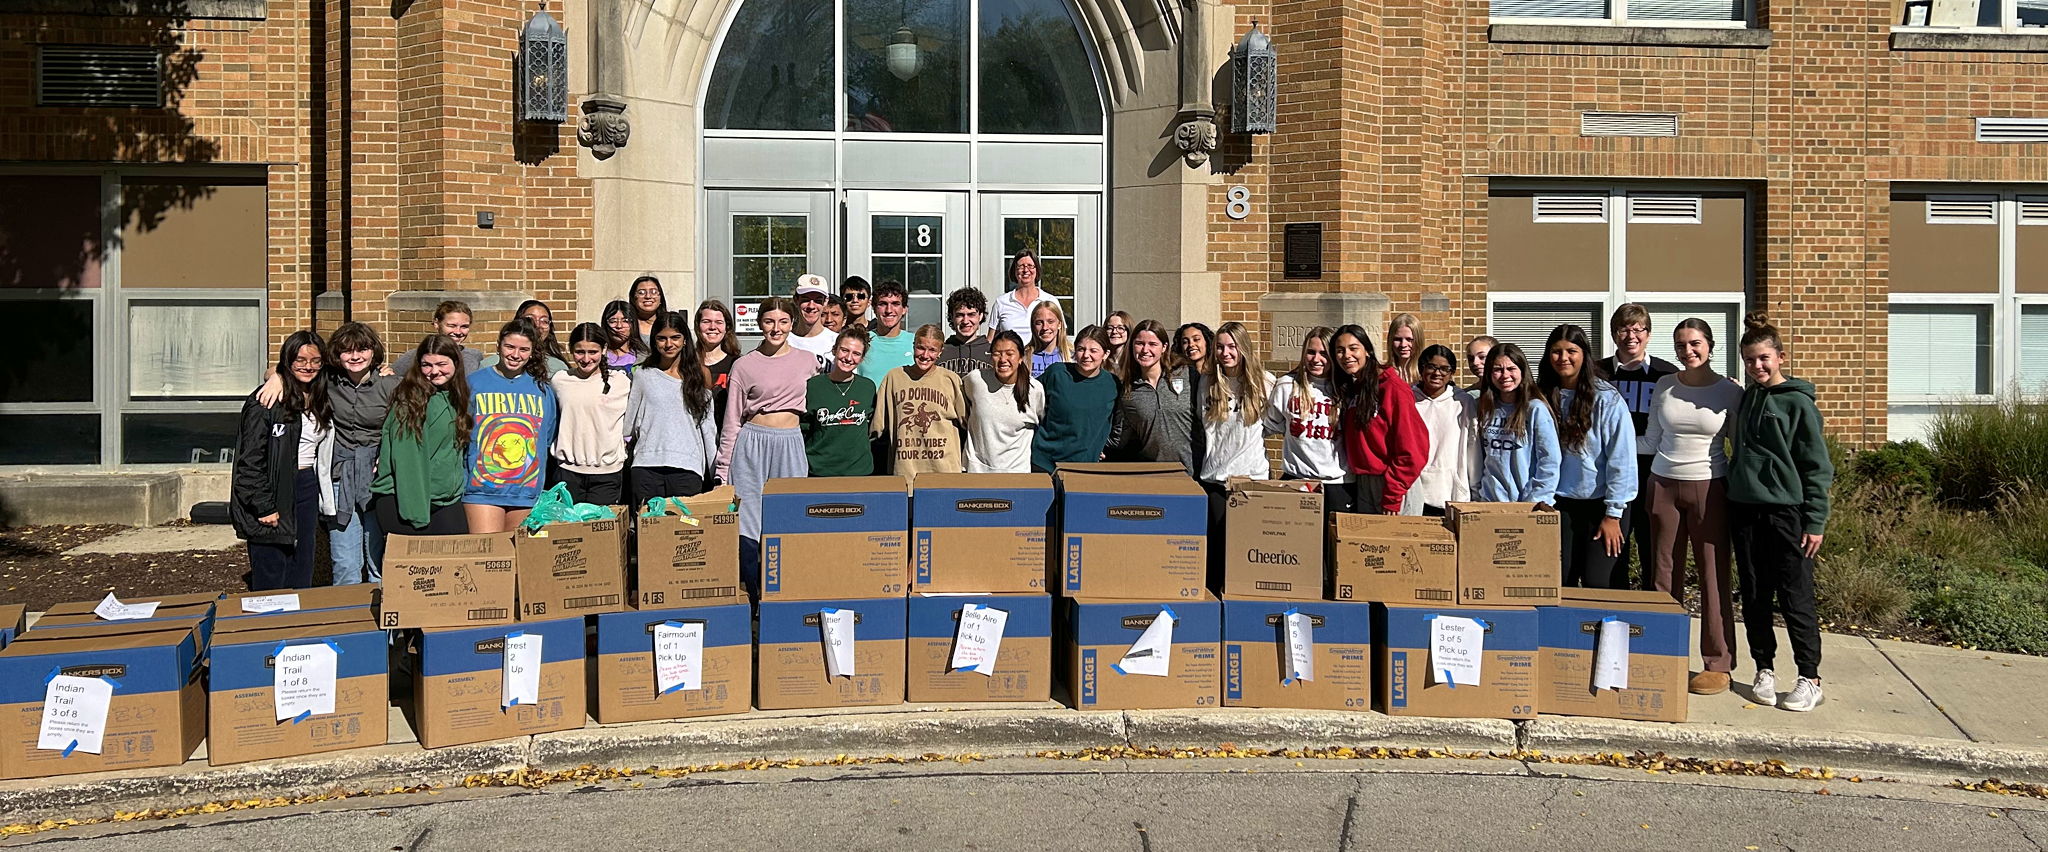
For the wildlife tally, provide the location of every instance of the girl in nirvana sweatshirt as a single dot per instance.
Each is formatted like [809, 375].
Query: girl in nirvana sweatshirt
[513, 407]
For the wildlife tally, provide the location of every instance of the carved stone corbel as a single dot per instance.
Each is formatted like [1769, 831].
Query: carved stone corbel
[604, 129]
[1195, 132]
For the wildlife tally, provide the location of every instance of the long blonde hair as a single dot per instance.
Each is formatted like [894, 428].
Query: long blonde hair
[1412, 322]
[1250, 382]
[1059, 338]
[1299, 375]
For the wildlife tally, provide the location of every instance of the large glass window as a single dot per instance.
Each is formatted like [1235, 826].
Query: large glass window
[1626, 12]
[193, 348]
[1035, 75]
[1939, 351]
[775, 71]
[2033, 375]
[769, 252]
[1053, 238]
[1998, 15]
[911, 250]
[906, 66]
[53, 352]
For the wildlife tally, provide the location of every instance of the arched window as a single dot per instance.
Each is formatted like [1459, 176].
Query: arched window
[906, 68]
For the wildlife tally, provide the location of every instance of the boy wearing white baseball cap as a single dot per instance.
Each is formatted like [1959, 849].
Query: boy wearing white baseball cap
[810, 333]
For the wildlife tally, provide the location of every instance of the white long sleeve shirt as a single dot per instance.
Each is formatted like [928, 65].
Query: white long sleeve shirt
[998, 435]
[1452, 420]
[1689, 427]
[1307, 426]
[1235, 448]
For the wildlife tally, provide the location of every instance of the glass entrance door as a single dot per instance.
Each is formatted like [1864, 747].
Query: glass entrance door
[760, 242]
[914, 238]
[1063, 230]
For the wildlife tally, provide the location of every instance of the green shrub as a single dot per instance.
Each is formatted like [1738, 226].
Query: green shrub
[1860, 587]
[2023, 522]
[1989, 612]
[1984, 452]
[1906, 467]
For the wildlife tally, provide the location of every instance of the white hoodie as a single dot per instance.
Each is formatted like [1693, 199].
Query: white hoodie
[1233, 448]
[1309, 448]
[1452, 420]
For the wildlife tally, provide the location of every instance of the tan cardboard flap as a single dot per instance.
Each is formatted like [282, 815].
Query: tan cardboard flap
[287, 634]
[838, 484]
[1095, 483]
[1120, 468]
[421, 548]
[1629, 599]
[273, 620]
[323, 597]
[1345, 526]
[1285, 486]
[163, 602]
[1001, 481]
[29, 644]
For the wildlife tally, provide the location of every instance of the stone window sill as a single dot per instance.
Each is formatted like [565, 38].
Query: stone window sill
[1631, 35]
[1995, 42]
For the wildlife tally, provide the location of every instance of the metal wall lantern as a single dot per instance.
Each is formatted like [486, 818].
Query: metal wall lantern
[543, 69]
[1254, 83]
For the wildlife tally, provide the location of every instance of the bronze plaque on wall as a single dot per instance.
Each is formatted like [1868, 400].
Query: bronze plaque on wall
[1303, 250]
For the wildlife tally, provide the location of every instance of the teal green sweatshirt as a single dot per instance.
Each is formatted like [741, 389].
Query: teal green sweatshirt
[1075, 426]
[1781, 458]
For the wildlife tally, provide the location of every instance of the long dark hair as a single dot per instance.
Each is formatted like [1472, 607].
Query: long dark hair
[1208, 346]
[1575, 421]
[304, 397]
[590, 332]
[633, 303]
[631, 343]
[1360, 393]
[536, 366]
[1022, 387]
[1524, 395]
[409, 400]
[548, 345]
[689, 367]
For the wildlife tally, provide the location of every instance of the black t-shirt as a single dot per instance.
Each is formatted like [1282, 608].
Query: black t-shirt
[1637, 386]
[721, 378]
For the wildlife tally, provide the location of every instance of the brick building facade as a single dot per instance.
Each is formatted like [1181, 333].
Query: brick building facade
[1857, 170]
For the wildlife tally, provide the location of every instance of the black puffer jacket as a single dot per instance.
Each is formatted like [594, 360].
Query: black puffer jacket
[265, 478]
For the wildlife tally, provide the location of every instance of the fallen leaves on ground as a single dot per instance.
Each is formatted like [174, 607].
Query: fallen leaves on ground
[2003, 788]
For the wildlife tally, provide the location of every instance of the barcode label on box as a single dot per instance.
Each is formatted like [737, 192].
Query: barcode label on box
[712, 592]
[1432, 594]
[1529, 592]
[590, 601]
[489, 613]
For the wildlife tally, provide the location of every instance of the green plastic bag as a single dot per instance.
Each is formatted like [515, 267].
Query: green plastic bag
[555, 506]
[659, 506]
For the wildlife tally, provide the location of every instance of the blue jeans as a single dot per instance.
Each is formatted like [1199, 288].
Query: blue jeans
[357, 550]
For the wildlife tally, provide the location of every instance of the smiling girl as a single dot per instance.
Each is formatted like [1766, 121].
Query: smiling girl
[922, 406]
[649, 303]
[1688, 424]
[760, 439]
[671, 418]
[1404, 340]
[623, 348]
[1518, 453]
[276, 482]
[514, 408]
[1233, 416]
[1156, 407]
[1003, 407]
[420, 470]
[589, 453]
[360, 392]
[1385, 443]
[1596, 477]
[1304, 414]
[839, 408]
[1079, 400]
[1451, 416]
[1049, 344]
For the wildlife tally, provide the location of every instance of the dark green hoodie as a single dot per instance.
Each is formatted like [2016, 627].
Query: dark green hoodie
[1780, 457]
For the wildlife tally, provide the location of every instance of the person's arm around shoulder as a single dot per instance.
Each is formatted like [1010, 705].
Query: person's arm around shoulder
[1407, 443]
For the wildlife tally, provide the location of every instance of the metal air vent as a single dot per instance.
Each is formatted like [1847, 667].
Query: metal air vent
[1579, 207]
[1628, 124]
[98, 75]
[1962, 210]
[1664, 209]
[2012, 129]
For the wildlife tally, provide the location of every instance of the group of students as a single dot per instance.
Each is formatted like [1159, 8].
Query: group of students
[653, 403]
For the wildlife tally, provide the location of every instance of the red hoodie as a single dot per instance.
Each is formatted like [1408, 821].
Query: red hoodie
[1394, 444]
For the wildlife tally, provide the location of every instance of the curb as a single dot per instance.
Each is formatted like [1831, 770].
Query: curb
[989, 732]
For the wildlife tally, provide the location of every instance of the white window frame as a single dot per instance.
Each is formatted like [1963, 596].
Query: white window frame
[1984, 300]
[2020, 303]
[2005, 302]
[2008, 17]
[1618, 17]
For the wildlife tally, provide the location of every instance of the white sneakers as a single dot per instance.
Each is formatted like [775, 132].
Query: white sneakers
[1805, 695]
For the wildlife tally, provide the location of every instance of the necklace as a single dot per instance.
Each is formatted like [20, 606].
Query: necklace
[845, 388]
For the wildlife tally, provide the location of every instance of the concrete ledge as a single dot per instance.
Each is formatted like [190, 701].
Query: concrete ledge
[425, 301]
[1632, 36]
[1990, 42]
[682, 743]
[387, 766]
[134, 499]
[1839, 751]
[1296, 728]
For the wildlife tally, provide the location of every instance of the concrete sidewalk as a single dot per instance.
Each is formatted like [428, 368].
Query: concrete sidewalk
[1892, 708]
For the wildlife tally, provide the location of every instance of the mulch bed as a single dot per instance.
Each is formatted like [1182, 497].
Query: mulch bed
[34, 571]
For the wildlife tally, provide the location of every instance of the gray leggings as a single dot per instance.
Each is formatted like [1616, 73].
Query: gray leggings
[761, 453]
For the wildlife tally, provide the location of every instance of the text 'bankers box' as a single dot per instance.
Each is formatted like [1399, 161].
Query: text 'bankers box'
[794, 671]
[155, 713]
[459, 688]
[834, 537]
[1021, 669]
[627, 687]
[1112, 666]
[1413, 681]
[242, 723]
[1652, 636]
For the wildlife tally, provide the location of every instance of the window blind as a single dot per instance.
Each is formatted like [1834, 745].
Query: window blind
[1528, 325]
[1939, 350]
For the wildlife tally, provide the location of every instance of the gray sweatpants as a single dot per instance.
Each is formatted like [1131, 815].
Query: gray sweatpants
[761, 453]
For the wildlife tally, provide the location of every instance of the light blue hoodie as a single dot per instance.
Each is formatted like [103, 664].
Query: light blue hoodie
[1604, 467]
[1518, 469]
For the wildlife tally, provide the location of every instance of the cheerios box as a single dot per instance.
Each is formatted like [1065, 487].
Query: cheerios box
[1140, 536]
[627, 689]
[980, 532]
[834, 537]
[156, 707]
[459, 683]
[1655, 638]
[1023, 663]
[1258, 668]
[791, 672]
[1101, 655]
[241, 688]
[1411, 683]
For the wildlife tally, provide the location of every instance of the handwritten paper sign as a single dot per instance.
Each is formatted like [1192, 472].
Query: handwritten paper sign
[522, 669]
[979, 639]
[678, 656]
[112, 609]
[270, 603]
[1301, 647]
[1153, 652]
[1610, 655]
[836, 626]
[74, 713]
[1456, 645]
[302, 681]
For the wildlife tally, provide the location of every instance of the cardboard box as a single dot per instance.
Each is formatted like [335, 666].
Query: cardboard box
[459, 683]
[980, 532]
[303, 618]
[448, 581]
[1023, 669]
[200, 625]
[1142, 537]
[191, 603]
[1123, 468]
[241, 712]
[1255, 665]
[1103, 630]
[1507, 554]
[834, 538]
[1380, 558]
[157, 716]
[626, 689]
[1659, 656]
[572, 568]
[353, 596]
[13, 620]
[1273, 539]
[1507, 685]
[690, 560]
[791, 672]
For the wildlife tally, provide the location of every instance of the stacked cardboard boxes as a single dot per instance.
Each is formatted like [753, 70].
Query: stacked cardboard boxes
[980, 615]
[1285, 642]
[1142, 629]
[685, 648]
[834, 575]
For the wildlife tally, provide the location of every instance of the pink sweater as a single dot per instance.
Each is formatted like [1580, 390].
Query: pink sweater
[760, 383]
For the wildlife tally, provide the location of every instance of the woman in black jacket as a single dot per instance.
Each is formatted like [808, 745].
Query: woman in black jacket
[276, 484]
